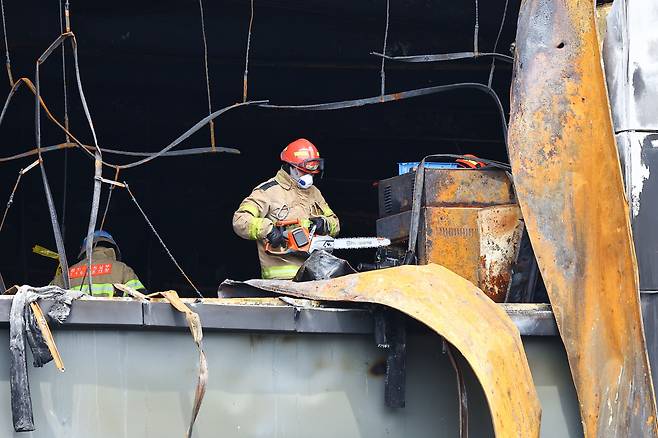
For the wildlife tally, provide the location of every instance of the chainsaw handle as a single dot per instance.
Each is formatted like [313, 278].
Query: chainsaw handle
[287, 223]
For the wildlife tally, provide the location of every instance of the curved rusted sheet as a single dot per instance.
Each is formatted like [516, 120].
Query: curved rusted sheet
[569, 185]
[461, 313]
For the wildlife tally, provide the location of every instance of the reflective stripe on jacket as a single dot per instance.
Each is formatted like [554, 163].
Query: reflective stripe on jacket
[280, 198]
[106, 271]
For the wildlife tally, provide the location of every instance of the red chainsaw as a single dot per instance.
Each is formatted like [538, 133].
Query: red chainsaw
[300, 240]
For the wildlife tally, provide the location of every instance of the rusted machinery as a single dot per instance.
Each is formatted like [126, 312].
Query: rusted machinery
[470, 223]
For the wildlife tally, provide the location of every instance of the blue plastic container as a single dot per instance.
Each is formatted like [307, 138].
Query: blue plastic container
[411, 167]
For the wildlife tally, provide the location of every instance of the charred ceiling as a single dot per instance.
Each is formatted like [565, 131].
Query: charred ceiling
[144, 79]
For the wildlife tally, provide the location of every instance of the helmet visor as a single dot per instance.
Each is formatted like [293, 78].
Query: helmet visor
[311, 165]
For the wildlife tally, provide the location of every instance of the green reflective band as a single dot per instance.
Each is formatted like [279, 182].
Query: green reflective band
[135, 284]
[97, 289]
[333, 227]
[281, 272]
[249, 208]
[306, 223]
[327, 211]
[254, 227]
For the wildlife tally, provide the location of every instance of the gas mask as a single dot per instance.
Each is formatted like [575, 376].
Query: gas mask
[304, 180]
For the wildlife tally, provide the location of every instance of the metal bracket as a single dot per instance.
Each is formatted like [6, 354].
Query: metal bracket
[391, 334]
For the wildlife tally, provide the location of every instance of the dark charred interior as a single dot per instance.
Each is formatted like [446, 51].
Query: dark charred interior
[143, 76]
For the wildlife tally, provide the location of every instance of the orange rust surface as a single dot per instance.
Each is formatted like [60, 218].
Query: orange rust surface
[480, 244]
[460, 312]
[451, 240]
[468, 187]
[569, 185]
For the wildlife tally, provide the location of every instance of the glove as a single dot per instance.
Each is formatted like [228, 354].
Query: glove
[275, 237]
[321, 225]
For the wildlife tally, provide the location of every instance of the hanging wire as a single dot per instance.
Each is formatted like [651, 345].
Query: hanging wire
[476, 28]
[109, 197]
[57, 232]
[462, 395]
[4, 32]
[245, 78]
[66, 125]
[180, 153]
[205, 63]
[382, 74]
[500, 31]
[166, 151]
[13, 192]
[160, 239]
[67, 16]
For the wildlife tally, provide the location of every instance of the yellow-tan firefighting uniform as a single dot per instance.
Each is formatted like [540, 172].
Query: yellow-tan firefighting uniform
[276, 199]
[106, 270]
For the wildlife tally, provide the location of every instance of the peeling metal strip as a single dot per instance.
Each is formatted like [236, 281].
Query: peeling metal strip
[569, 185]
[460, 312]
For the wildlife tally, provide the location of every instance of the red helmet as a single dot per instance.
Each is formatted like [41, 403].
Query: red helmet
[303, 155]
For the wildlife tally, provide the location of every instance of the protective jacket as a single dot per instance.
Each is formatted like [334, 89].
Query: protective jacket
[105, 271]
[280, 198]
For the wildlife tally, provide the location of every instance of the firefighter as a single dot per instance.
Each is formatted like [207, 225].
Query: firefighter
[106, 269]
[290, 195]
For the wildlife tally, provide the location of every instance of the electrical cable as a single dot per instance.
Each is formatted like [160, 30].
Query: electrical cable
[476, 28]
[401, 96]
[109, 198]
[13, 192]
[66, 125]
[130, 193]
[245, 78]
[57, 232]
[4, 32]
[211, 124]
[495, 47]
[179, 153]
[383, 73]
[149, 155]
[461, 390]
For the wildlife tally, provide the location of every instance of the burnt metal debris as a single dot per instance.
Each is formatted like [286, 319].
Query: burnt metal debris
[570, 189]
[21, 325]
[460, 312]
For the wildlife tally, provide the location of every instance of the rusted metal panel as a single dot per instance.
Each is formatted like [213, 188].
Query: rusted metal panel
[457, 310]
[480, 244]
[499, 229]
[449, 237]
[568, 181]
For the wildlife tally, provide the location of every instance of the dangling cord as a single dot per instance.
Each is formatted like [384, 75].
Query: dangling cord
[495, 47]
[66, 125]
[461, 390]
[160, 239]
[245, 78]
[109, 197]
[4, 31]
[11, 196]
[59, 242]
[382, 73]
[476, 29]
[205, 61]
[67, 17]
